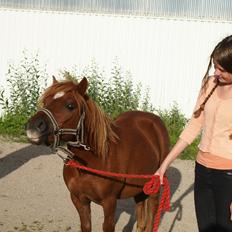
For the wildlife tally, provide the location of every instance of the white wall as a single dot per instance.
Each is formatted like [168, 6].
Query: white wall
[169, 56]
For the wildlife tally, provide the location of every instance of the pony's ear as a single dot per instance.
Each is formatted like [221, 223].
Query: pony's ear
[82, 86]
[54, 80]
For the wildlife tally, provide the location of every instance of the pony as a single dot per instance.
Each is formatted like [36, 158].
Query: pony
[135, 142]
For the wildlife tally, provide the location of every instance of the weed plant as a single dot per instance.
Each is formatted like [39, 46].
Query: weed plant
[175, 122]
[25, 82]
[115, 95]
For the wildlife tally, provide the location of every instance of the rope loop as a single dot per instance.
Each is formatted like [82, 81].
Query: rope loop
[153, 187]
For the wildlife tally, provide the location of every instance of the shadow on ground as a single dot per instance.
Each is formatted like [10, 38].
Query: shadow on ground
[16, 159]
[128, 206]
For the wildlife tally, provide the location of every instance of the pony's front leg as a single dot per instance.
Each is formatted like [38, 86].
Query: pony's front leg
[83, 208]
[109, 207]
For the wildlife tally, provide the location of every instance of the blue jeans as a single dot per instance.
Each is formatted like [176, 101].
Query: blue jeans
[213, 195]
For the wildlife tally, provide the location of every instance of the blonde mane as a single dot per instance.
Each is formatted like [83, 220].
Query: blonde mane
[98, 126]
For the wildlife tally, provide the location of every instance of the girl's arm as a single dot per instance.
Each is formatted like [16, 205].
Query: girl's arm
[176, 150]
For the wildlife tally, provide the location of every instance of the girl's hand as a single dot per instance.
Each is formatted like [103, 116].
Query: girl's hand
[160, 172]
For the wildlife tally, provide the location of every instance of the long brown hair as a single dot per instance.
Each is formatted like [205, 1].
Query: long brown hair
[222, 55]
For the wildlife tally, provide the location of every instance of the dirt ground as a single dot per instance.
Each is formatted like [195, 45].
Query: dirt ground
[33, 196]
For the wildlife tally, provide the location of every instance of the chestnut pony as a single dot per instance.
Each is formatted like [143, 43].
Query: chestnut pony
[134, 143]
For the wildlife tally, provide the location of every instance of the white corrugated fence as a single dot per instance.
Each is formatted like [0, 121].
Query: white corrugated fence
[168, 55]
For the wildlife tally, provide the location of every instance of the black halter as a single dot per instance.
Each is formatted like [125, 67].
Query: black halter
[78, 132]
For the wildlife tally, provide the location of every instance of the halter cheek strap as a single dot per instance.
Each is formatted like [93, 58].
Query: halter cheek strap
[58, 132]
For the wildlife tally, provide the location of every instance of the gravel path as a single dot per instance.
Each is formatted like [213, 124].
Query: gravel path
[33, 196]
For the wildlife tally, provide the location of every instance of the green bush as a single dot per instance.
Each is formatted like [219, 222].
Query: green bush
[115, 94]
[25, 82]
[12, 125]
[175, 122]
[118, 94]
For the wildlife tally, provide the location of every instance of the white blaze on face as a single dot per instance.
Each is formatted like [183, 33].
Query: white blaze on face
[58, 95]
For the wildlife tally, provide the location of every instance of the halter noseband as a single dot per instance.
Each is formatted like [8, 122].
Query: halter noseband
[78, 132]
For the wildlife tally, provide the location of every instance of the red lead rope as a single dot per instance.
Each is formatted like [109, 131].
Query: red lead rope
[151, 187]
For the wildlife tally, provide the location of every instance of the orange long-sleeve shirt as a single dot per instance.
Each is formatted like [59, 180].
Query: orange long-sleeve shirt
[215, 123]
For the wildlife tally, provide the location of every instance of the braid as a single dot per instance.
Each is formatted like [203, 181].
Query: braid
[197, 113]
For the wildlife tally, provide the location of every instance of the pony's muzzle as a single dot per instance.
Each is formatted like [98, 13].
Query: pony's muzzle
[37, 130]
[40, 125]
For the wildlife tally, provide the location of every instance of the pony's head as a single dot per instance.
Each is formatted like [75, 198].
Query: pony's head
[69, 115]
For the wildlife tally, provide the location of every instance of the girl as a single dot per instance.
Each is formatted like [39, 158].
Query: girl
[213, 171]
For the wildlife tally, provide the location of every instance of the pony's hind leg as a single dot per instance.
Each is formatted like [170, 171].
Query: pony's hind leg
[83, 208]
[140, 209]
[109, 207]
[151, 210]
[140, 215]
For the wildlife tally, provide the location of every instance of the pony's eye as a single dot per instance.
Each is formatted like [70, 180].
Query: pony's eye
[70, 106]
